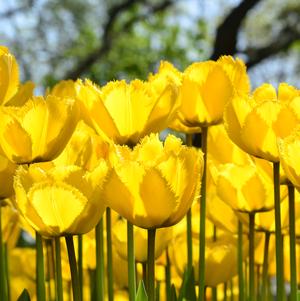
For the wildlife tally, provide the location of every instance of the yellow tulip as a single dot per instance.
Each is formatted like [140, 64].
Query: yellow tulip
[154, 184]
[22, 272]
[9, 75]
[237, 72]
[162, 239]
[84, 149]
[220, 258]
[65, 88]
[62, 200]
[37, 131]
[289, 156]
[244, 188]
[222, 150]
[205, 90]
[11, 92]
[7, 171]
[127, 112]
[255, 122]
[10, 225]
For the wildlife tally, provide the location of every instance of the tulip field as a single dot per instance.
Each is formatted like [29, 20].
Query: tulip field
[99, 201]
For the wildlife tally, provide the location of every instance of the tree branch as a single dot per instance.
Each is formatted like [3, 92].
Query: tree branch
[10, 12]
[227, 32]
[108, 34]
[285, 39]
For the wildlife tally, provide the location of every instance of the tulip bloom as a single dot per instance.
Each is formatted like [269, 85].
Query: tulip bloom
[255, 122]
[220, 258]
[244, 188]
[11, 92]
[289, 156]
[206, 89]
[84, 149]
[39, 130]
[60, 200]
[7, 171]
[154, 184]
[127, 112]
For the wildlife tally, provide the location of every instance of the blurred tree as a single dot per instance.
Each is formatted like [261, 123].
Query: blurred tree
[108, 39]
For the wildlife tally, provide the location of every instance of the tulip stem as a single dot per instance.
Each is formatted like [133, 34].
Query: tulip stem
[202, 217]
[73, 268]
[3, 282]
[40, 274]
[58, 272]
[99, 262]
[278, 237]
[7, 270]
[214, 288]
[131, 262]
[265, 276]
[168, 276]
[110, 275]
[80, 268]
[151, 264]
[189, 241]
[293, 266]
[251, 256]
[225, 291]
[240, 262]
[189, 142]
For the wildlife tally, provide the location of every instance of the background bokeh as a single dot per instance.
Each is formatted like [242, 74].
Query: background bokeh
[111, 39]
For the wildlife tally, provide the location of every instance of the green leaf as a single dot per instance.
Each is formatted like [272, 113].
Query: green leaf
[187, 290]
[298, 295]
[157, 292]
[24, 296]
[141, 293]
[173, 293]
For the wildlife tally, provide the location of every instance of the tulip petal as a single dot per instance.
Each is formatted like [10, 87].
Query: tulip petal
[9, 77]
[57, 203]
[15, 142]
[158, 199]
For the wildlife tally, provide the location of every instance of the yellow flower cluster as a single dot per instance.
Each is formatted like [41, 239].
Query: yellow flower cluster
[69, 155]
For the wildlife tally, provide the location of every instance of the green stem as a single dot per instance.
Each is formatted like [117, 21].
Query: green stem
[240, 262]
[225, 291]
[265, 276]
[144, 267]
[293, 266]
[3, 286]
[251, 256]
[189, 240]
[7, 270]
[49, 268]
[202, 217]
[131, 262]
[80, 264]
[58, 272]
[110, 275]
[231, 290]
[189, 142]
[73, 268]
[168, 277]
[214, 288]
[278, 237]
[99, 286]
[40, 274]
[151, 264]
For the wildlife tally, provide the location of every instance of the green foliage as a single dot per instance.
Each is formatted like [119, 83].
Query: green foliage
[187, 291]
[24, 296]
[141, 292]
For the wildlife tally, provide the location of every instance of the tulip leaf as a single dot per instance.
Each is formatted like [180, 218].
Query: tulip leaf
[173, 293]
[298, 295]
[24, 296]
[141, 293]
[187, 290]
